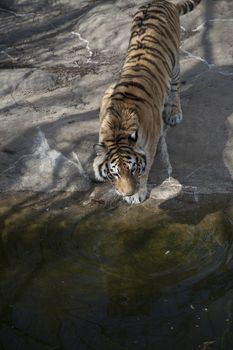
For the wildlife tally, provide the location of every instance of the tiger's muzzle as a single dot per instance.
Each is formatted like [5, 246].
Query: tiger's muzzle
[126, 186]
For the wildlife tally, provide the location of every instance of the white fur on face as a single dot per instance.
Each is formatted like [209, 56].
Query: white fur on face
[105, 169]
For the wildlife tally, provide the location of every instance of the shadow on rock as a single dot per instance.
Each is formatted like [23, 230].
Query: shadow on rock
[55, 156]
[34, 33]
[200, 149]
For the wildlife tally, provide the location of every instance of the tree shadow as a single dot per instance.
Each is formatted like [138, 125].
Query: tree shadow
[31, 143]
[197, 151]
[33, 37]
[197, 146]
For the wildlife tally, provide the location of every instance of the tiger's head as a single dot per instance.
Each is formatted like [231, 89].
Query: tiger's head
[121, 162]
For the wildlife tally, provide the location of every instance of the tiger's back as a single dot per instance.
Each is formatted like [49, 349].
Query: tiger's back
[145, 96]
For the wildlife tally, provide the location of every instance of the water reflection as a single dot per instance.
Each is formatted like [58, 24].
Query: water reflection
[125, 278]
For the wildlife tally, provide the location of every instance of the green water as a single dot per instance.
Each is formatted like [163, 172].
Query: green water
[79, 277]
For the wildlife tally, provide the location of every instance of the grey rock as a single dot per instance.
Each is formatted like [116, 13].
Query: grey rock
[62, 97]
[38, 81]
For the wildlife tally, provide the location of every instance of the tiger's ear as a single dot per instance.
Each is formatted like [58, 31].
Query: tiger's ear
[100, 149]
[133, 136]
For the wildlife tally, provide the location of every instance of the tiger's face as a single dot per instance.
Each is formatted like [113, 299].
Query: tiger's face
[122, 165]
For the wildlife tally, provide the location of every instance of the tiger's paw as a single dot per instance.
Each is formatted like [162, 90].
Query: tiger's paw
[137, 198]
[174, 119]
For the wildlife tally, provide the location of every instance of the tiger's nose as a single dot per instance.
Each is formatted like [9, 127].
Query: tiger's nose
[126, 186]
[128, 192]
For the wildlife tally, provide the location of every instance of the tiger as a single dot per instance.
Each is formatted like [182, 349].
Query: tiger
[145, 98]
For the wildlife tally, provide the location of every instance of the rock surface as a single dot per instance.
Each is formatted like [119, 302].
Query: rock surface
[57, 59]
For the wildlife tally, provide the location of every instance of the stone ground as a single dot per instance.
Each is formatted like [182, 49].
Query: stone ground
[56, 60]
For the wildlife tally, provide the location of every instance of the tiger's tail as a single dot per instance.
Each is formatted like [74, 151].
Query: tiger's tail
[186, 6]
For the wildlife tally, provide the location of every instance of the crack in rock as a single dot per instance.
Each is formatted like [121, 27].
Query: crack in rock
[3, 52]
[210, 66]
[78, 164]
[202, 25]
[189, 55]
[11, 12]
[87, 45]
[45, 169]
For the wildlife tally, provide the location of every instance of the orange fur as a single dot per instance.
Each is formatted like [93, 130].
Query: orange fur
[146, 95]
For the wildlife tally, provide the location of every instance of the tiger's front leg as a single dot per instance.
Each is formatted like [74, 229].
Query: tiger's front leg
[163, 150]
[172, 113]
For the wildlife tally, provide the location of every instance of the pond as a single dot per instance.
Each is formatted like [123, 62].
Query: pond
[122, 277]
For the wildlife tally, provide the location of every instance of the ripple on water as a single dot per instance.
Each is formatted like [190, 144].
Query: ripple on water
[129, 277]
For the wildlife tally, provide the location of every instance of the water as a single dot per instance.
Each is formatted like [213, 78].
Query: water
[87, 277]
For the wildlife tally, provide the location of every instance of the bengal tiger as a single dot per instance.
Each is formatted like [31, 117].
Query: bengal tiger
[144, 99]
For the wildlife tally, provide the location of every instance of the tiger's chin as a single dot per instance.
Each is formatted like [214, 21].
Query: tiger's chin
[136, 198]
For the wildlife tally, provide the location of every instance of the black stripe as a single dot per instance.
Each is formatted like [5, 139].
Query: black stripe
[139, 68]
[137, 76]
[164, 12]
[109, 140]
[136, 27]
[148, 48]
[111, 148]
[133, 84]
[146, 17]
[150, 72]
[120, 138]
[167, 15]
[163, 45]
[101, 171]
[191, 6]
[186, 8]
[111, 145]
[159, 10]
[156, 78]
[125, 152]
[129, 96]
[147, 79]
[174, 18]
[133, 34]
[153, 50]
[161, 7]
[157, 69]
[158, 30]
[168, 70]
[138, 56]
[113, 112]
[149, 16]
[114, 159]
[115, 154]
